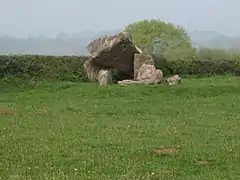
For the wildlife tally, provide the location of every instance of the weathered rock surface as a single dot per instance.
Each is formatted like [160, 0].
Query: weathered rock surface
[101, 76]
[129, 82]
[113, 52]
[92, 71]
[147, 74]
[104, 77]
[176, 79]
[139, 60]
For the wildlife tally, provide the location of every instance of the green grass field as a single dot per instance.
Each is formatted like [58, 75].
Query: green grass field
[84, 131]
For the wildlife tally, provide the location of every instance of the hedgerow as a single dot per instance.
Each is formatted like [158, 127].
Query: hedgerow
[70, 68]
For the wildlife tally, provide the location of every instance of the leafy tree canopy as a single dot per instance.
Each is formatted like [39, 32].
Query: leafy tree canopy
[161, 38]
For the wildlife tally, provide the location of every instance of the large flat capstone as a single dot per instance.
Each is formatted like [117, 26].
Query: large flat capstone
[113, 52]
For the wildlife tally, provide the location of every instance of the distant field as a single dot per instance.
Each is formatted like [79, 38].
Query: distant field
[83, 131]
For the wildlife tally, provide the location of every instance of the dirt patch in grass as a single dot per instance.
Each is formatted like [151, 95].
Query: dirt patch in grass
[168, 132]
[43, 112]
[167, 172]
[204, 162]
[5, 111]
[166, 151]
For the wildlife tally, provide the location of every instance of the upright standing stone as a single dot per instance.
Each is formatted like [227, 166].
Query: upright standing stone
[148, 74]
[104, 77]
[139, 60]
[91, 70]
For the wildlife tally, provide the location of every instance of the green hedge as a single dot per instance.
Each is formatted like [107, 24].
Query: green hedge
[46, 67]
[206, 67]
[202, 67]
[71, 67]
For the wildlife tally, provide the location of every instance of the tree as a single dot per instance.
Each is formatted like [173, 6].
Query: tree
[161, 38]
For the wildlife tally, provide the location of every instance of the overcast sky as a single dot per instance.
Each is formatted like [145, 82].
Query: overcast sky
[49, 17]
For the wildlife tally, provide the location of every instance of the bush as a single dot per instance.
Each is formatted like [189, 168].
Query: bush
[203, 67]
[71, 68]
[46, 67]
[162, 38]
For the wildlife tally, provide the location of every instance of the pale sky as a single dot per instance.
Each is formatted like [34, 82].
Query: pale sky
[49, 17]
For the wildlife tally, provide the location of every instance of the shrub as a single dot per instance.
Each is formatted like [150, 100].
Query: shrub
[71, 68]
[203, 67]
[47, 67]
[162, 38]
